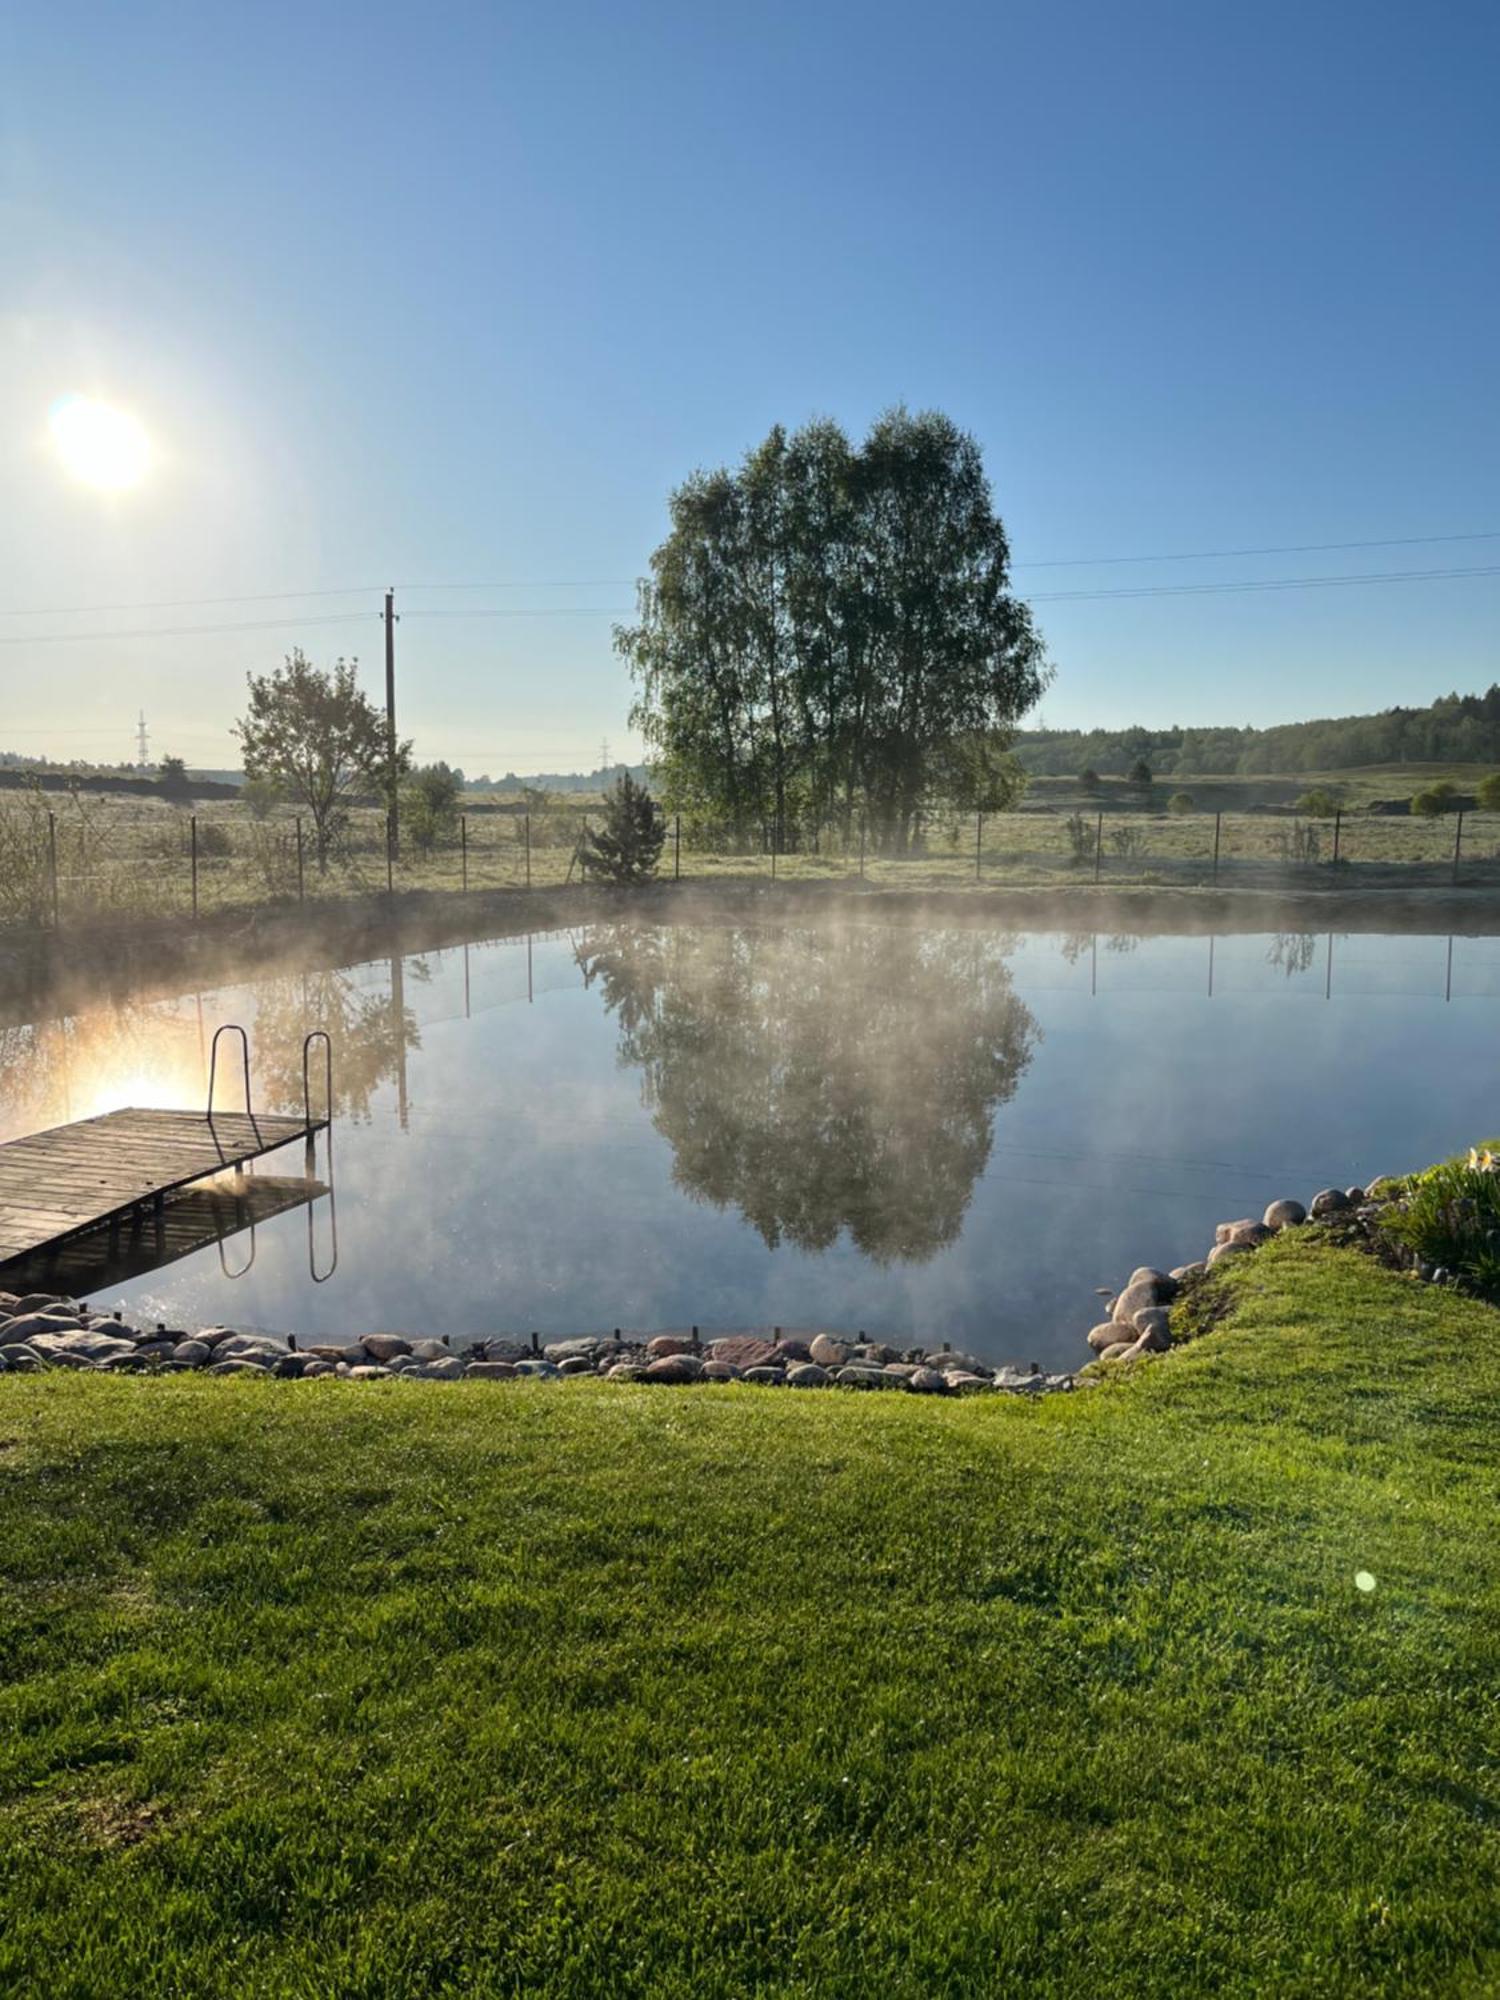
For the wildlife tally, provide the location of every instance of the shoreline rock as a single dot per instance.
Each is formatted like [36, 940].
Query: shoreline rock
[44, 1331]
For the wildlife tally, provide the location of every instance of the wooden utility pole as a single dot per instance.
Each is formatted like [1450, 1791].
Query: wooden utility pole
[392, 822]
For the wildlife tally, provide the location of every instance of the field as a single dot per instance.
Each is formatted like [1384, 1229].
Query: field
[325, 1688]
[141, 856]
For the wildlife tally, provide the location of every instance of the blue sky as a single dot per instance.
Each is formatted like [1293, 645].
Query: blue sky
[454, 295]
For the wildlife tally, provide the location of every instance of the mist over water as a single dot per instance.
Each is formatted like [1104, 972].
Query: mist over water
[928, 1134]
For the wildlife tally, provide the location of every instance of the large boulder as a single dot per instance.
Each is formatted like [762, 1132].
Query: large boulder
[1164, 1281]
[744, 1350]
[1328, 1201]
[589, 1347]
[680, 1367]
[1135, 1298]
[807, 1375]
[956, 1364]
[663, 1345]
[497, 1349]
[238, 1346]
[855, 1376]
[1253, 1233]
[193, 1353]
[828, 1352]
[24, 1325]
[1223, 1252]
[1225, 1231]
[770, 1375]
[1154, 1320]
[725, 1371]
[384, 1347]
[1106, 1334]
[793, 1352]
[448, 1369]
[490, 1371]
[927, 1382]
[1284, 1215]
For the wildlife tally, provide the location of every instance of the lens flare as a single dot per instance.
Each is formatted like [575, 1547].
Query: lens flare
[102, 446]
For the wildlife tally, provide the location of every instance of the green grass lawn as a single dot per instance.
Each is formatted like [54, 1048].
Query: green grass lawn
[326, 1689]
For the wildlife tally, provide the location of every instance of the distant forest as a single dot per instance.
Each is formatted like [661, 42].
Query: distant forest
[1457, 729]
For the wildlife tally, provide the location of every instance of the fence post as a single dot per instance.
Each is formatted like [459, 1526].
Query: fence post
[1458, 841]
[463, 842]
[1218, 824]
[527, 819]
[193, 840]
[52, 862]
[1098, 844]
[677, 849]
[978, 844]
[300, 883]
[1338, 827]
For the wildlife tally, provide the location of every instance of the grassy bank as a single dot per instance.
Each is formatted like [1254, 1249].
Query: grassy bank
[311, 1690]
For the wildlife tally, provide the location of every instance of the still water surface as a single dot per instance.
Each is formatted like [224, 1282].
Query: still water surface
[927, 1134]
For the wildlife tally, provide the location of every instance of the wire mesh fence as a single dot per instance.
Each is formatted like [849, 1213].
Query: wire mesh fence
[65, 862]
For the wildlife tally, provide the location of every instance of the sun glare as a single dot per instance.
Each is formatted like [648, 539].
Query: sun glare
[103, 447]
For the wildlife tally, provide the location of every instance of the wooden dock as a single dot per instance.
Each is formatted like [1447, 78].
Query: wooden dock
[99, 1171]
[208, 1213]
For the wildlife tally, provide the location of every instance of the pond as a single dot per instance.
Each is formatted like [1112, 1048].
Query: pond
[926, 1134]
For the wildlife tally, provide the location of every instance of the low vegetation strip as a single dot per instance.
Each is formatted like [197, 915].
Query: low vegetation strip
[1184, 1684]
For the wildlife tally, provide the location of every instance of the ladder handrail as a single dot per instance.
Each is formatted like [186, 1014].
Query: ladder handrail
[317, 1035]
[230, 1028]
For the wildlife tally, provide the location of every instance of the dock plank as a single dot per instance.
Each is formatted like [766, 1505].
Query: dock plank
[75, 1177]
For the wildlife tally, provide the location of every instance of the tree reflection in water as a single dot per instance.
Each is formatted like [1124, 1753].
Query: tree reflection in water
[372, 1034]
[156, 1052]
[821, 1079]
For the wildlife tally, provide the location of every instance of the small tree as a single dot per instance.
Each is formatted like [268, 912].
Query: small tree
[260, 797]
[1141, 775]
[1089, 780]
[429, 807]
[1435, 801]
[1489, 793]
[628, 847]
[1319, 803]
[173, 779]
[319, 737]
[1180, 802]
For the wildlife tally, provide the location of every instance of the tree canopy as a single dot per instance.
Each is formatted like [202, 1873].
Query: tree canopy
[627, 848]
[319, 736]
[829, 630]
[1455, 729]
[821, 1080]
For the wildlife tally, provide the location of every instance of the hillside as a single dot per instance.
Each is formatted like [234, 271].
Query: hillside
[1458, 729]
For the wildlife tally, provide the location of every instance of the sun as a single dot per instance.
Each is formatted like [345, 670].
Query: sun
[102, 446]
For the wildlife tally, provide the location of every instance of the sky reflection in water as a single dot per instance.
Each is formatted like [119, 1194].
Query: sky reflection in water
[926, 1134]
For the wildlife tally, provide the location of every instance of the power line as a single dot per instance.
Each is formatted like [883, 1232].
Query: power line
[1267, 583]
[192, 603]
[1284, 549]
[627, 583]
[190, 631]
